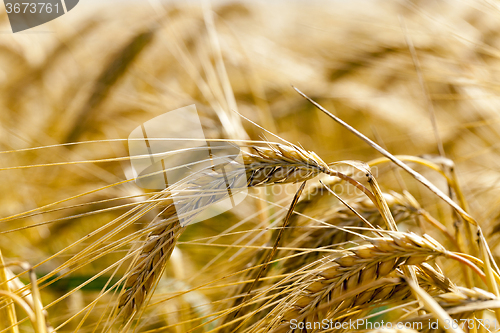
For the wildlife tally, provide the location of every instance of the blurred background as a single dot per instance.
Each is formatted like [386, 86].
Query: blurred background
[388, 68]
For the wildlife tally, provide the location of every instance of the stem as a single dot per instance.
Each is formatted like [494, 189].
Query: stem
[40, 327]
[9, 312]
[461, 259]
[395, 160]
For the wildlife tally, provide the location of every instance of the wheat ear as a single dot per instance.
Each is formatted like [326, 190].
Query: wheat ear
[386, 293]
[281, 164]
[338, 283]
[361, 265]
[149, 265]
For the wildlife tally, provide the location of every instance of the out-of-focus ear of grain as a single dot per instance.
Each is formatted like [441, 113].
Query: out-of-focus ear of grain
[111, 74]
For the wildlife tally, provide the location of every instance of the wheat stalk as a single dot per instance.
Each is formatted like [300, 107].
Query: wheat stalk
[360, 265]
[274, 165]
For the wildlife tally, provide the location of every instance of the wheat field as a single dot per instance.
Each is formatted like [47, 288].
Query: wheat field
[367, 142]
